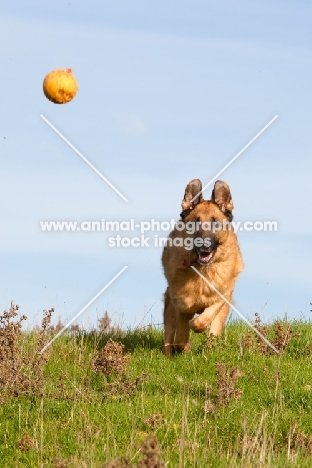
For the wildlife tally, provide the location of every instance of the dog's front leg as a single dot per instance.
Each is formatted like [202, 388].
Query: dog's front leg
[170, 323]
[200, 323]
[182, 332]
[218, 322]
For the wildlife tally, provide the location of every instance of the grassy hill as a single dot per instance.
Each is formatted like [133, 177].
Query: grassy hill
[110, 399]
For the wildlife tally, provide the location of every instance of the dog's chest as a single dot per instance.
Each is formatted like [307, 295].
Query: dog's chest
[192, 296]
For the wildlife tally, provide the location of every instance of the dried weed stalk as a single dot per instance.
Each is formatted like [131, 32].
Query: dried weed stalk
[208, 343]
[154, 421]
[56, 328]
[21, 365]
[124, 387]
[264, 330]
[11, 359]
[104, 322]
[283, 334]
[105, 325]
[226, 381]
[211, 341]
[26, 442]
[117, 463]
[151, 453]
[110, 360]
[151, 456]
[61, 462]
[301, 441]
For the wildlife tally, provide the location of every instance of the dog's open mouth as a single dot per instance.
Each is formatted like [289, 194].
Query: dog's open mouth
[204, 256]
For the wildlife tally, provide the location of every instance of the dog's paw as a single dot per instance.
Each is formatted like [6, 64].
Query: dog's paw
[187, 348]
[182, 348]
[168, 350]
[197, 325]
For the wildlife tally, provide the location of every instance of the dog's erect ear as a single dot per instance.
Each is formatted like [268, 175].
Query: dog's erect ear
[193, 188]
[221, 196]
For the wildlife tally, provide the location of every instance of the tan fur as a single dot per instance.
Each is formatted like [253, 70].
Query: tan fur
[189, 302]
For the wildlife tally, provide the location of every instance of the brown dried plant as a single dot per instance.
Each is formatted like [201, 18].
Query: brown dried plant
[61, 462]
[124, 387]
[154, 421]
[21, 364]
[151, 456]
[210, 341]
[105, 325]
[264, 330]
[226, 381]
[110, 359]
[104, 322]
[10, 356]
[151, 453]
[117, 463]
[282, 336]
[301, 441]
[111, 362]
[26, 442]
[56, 328]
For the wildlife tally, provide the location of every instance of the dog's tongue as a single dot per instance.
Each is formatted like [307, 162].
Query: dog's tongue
[205, 256]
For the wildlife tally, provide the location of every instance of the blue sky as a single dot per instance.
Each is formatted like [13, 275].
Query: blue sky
[168, 91]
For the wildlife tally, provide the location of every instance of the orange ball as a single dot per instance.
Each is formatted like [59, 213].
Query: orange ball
[60, 86]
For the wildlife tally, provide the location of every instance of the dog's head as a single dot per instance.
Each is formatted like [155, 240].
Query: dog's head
[207, 222]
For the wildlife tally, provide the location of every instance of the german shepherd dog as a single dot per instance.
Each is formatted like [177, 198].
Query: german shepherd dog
[203, 238]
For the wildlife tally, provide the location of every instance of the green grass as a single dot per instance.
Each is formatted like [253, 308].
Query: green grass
[77, 417]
